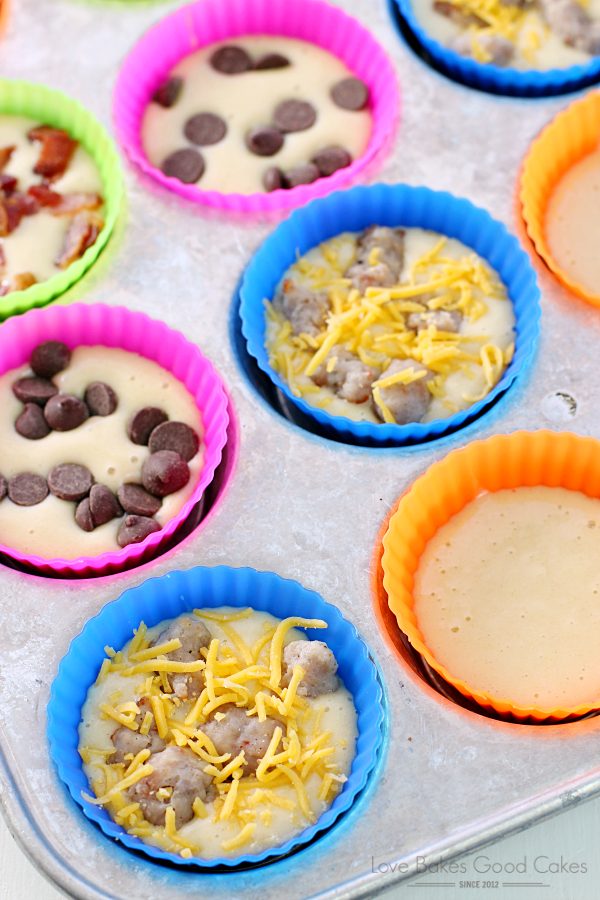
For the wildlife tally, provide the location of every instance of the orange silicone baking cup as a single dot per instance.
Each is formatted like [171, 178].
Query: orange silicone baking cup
[573, 134]
[522, 459]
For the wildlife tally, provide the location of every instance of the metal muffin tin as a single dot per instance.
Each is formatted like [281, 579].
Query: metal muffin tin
[449, 780]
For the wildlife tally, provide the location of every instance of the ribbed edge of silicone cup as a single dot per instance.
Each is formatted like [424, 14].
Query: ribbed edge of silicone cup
[115, 326]
[499, 79]
[393, 205]
[202, 23]
[573, 134]
[50, 107]
[505, 461]
[170, 596]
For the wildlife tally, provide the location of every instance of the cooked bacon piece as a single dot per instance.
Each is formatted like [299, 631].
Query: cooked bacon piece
[22, 281]
[56, 150]
[12, 210]
[44, 195]
[5, 155]
[8, 184]
[19, 282]
[82, 233]
[63, 204]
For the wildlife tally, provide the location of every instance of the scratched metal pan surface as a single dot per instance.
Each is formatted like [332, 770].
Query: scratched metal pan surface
[310, 509]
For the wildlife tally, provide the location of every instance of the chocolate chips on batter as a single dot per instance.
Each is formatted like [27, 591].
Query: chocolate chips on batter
[263, 139]
[136, 499]
[168, 93]
[50, 358]
[31, 424]
[271, 61]
[294, 115]
[175, 436]
[64, 412]
[100, 399]
[69, 481]
[143, 422]
[34, 390]
[27, 489]
[104, 506]
[204, 129]
[171, 445]
[164, 473]
[350, 93]
[231, 60]
[186, 165]
[136, 529]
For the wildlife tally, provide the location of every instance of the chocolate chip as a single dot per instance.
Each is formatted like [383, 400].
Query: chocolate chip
[175, 436]
[104, 506]
[168, 93]
[100, 399]
[136, 529]
[83, 515]
[69, 481]
[49, 358]
[204, 129]
[331, 159]
[164, 473]
[143, 422]
[351, 93]
[305, 174]
[272, 61]
[34, 390]
[273, 179]
[294, 115]
[27, 489]
[231, 60]
[135, 499]
[186, 165]
[264, 141]
[3, 487]
[31, 424]
[64, 412]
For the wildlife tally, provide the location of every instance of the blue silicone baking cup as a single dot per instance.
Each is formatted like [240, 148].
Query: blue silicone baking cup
[499, 79]
[170, 596]
[393, 205]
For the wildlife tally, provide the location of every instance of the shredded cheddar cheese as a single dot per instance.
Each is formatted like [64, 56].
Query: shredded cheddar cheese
[374, 327]
[235, 672]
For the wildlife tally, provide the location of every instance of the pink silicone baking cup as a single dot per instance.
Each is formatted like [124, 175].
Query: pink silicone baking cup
[115, 326]
[208, 21]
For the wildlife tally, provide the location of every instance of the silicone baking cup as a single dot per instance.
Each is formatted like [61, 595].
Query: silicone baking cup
[195, 26]
[573, 134]
[50, 107]
[114, 326]
[504, 461]
[393, 205]
[180, 592]
[499, 79]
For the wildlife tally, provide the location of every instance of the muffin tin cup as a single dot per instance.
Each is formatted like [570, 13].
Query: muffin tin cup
[393, 205]
[50, 107]
[521, 459]
[571, 136]
[114, 326]
[170, 596]
[499, 79]
[192, 27]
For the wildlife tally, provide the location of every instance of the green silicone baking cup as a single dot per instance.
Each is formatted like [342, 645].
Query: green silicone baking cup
[50, 107]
